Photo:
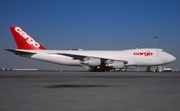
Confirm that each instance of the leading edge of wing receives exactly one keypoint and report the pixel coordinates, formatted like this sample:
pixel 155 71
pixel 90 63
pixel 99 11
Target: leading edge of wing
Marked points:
pixel 81 57
pixel 19 52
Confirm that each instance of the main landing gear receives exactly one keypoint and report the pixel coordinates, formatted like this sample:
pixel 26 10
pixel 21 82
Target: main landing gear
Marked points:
pixel 99 69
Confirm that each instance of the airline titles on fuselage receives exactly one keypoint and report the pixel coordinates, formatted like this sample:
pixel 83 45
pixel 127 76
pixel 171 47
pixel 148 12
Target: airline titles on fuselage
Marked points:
pixel 143 53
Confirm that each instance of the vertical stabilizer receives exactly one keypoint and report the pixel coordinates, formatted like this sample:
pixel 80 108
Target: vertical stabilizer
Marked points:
pixel 23 40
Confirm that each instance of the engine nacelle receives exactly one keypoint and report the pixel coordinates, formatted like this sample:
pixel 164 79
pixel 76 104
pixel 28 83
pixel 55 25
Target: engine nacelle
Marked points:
pixel 116 64
pixel 91 61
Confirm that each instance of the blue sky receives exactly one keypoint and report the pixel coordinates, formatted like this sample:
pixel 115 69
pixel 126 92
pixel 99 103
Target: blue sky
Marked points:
pixel 90 24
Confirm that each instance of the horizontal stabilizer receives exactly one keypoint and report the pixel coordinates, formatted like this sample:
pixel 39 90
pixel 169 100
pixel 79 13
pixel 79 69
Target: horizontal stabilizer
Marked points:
pixel 19 52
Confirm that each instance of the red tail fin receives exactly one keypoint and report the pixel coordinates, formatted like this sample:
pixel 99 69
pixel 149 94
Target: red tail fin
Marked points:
pixel 23 40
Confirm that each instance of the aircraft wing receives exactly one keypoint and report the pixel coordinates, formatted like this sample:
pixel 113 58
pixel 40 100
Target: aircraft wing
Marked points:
pixel 82 57
pixel 19 52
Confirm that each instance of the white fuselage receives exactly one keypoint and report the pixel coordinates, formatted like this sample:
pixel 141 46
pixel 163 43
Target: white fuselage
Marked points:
pixel 97 60
pixel 134 57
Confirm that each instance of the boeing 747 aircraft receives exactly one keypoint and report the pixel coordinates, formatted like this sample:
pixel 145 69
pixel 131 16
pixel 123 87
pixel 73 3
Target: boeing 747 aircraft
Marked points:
pixel 94 60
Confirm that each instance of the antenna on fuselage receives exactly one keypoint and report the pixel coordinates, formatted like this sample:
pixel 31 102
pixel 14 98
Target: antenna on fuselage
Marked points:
pixel 137 47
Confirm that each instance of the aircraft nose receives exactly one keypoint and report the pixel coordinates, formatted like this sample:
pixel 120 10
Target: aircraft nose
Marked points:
pixel 171 58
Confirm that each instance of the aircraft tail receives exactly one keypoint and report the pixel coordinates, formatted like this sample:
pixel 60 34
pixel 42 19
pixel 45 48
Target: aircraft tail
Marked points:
pixel 23 40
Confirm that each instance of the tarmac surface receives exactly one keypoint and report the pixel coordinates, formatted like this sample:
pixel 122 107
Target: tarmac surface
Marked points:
pixel 89 91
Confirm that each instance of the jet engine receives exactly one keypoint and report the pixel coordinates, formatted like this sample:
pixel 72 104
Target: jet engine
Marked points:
pixel 115 64
pixel 90 61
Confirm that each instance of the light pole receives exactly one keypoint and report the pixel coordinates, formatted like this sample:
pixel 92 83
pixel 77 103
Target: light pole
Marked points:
pixel 155 37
